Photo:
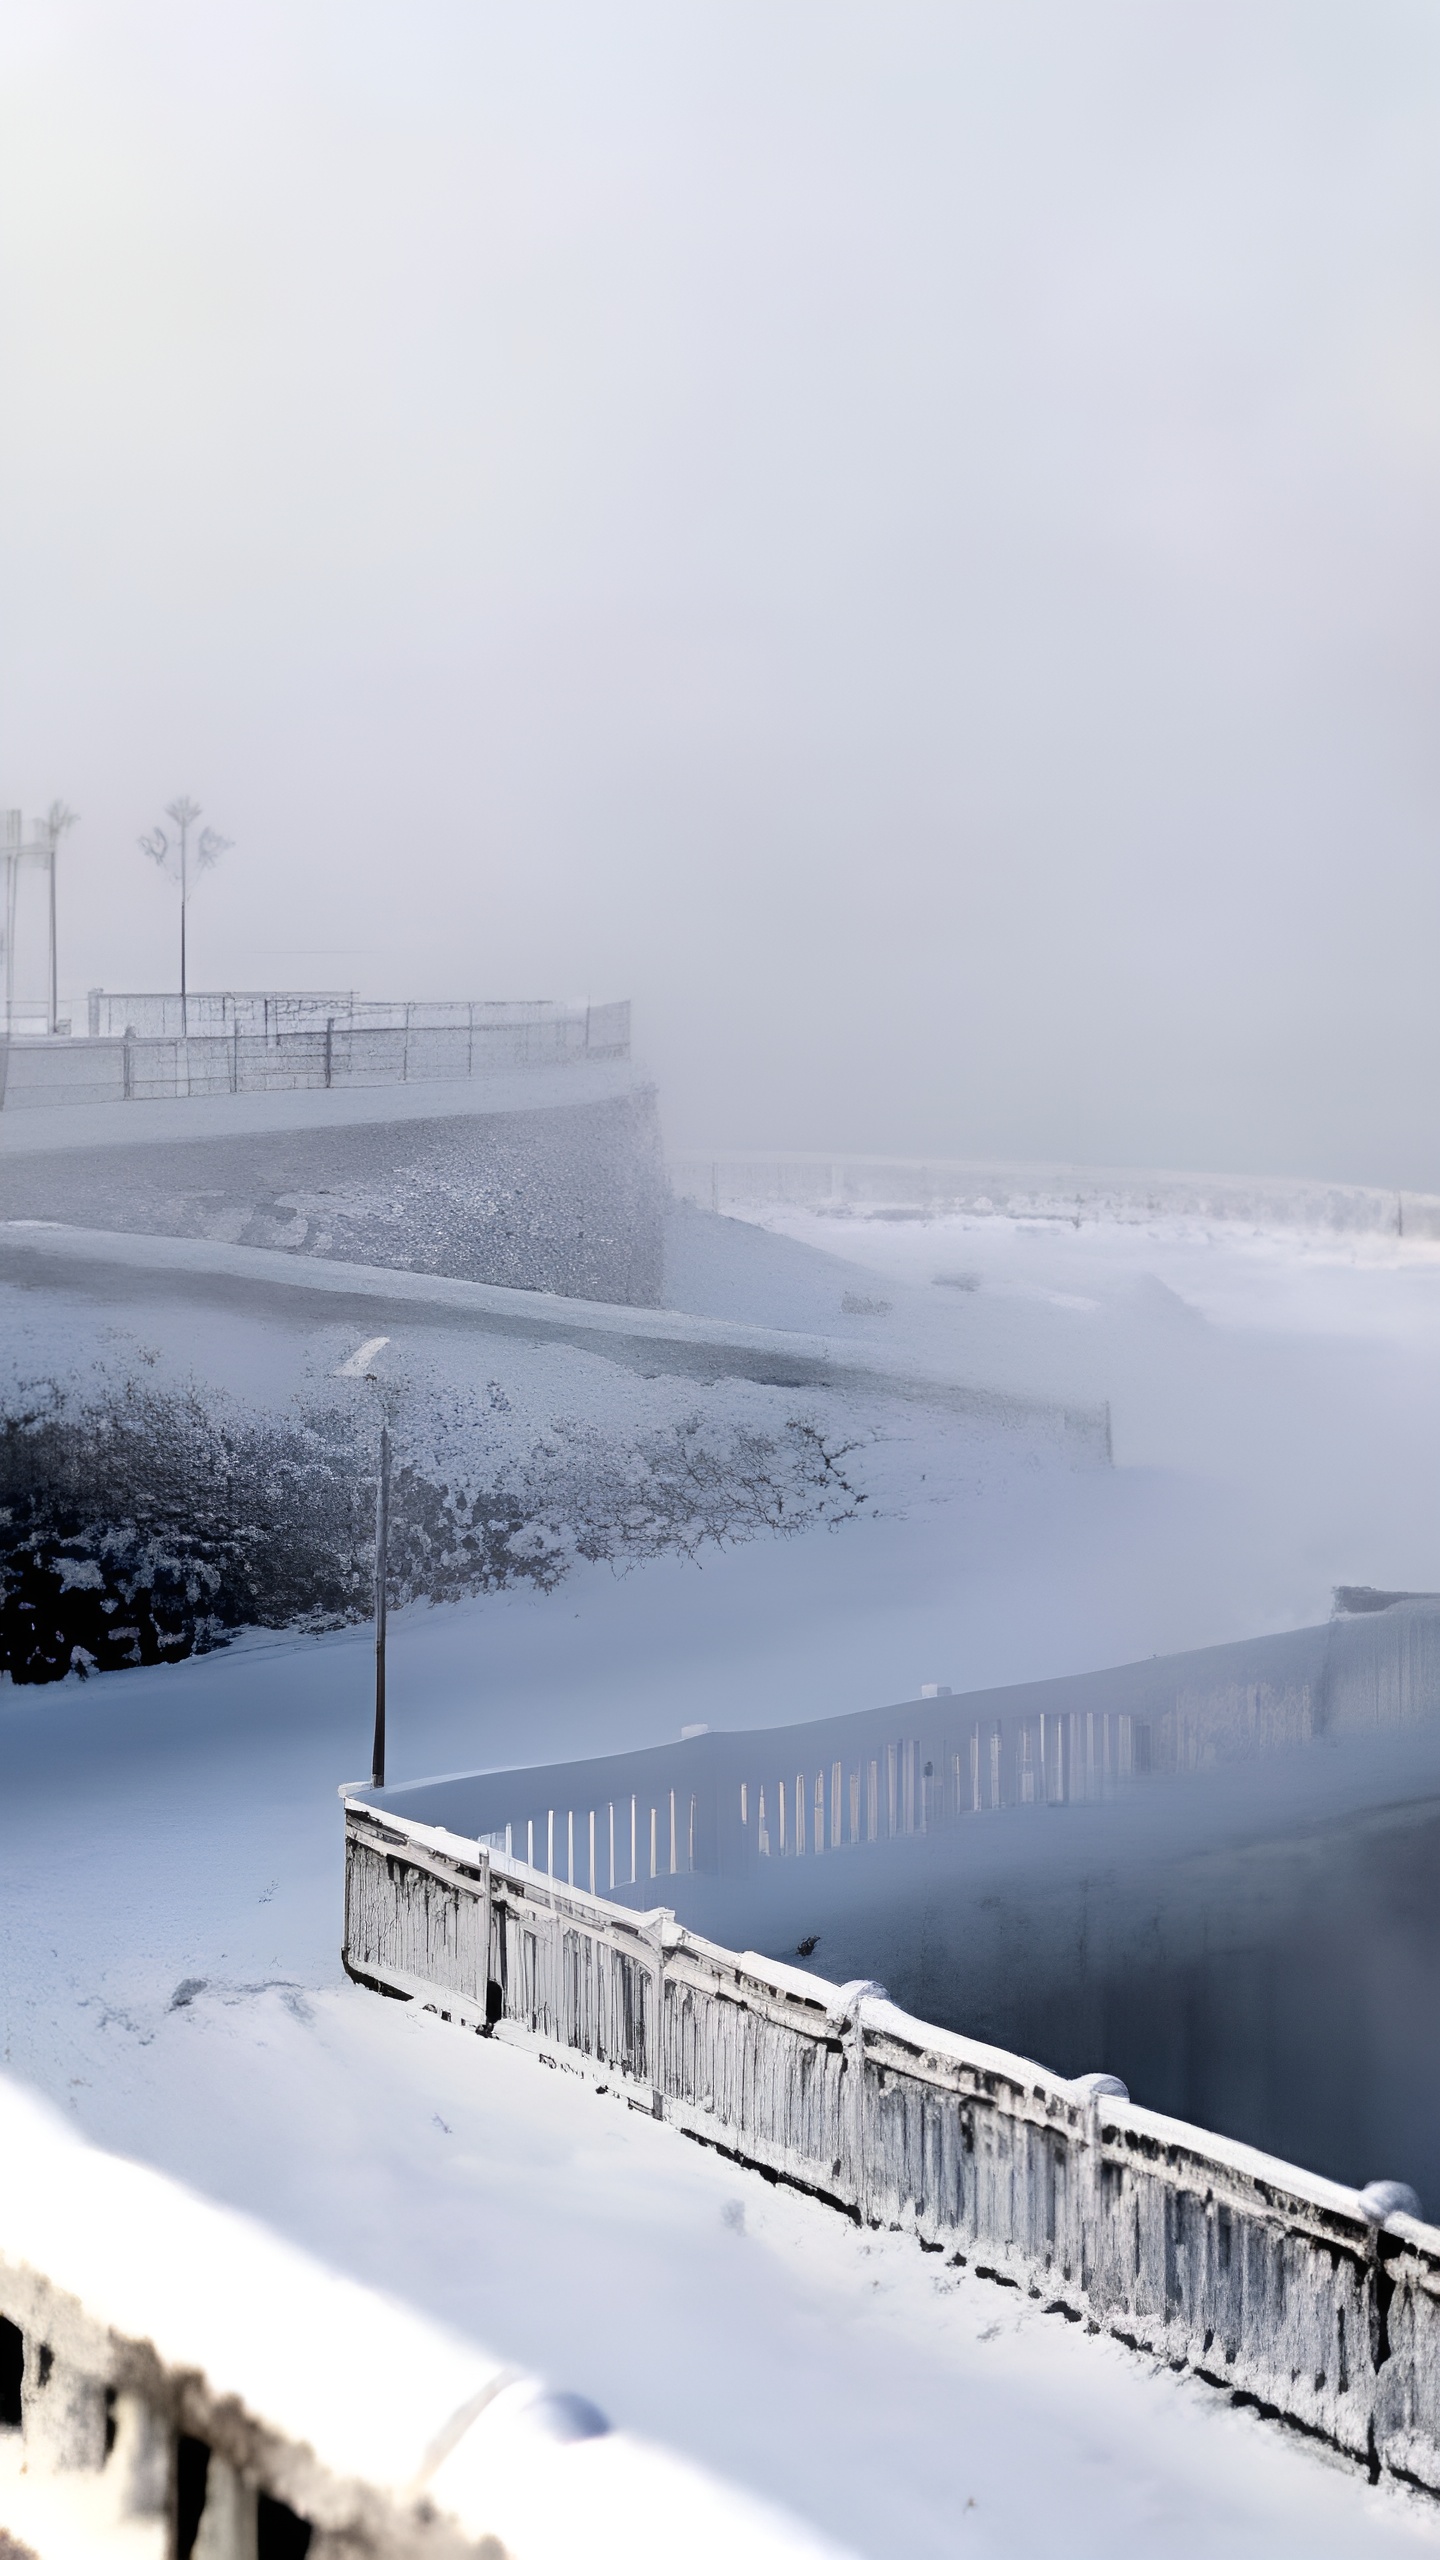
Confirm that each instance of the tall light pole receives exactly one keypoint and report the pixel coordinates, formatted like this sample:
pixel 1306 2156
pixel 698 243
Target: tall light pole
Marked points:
pixel 361 1365
pixel 52 827
pixel 382 1575
pixel 14 823
pixel 41 847
pixel 176 858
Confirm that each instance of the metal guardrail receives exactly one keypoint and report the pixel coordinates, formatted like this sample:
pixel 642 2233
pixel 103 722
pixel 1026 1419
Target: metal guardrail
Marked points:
pixel 267 1013
pixel 178 2384
pixel 472 1040
pixel 1313 2301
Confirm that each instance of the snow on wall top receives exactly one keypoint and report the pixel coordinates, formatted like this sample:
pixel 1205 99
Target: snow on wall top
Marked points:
pixel 35 1122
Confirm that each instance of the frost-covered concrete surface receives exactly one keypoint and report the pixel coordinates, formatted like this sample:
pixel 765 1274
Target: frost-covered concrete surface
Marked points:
pixel 558 1188
pixel 1276 1413
pixel 200 1117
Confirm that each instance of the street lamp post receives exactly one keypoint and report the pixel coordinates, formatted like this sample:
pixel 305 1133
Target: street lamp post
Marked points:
pixel 361 1365
pixel 13 825
pixel 176 859
pixel 52 827
pixel 41 847
pixel 382 1561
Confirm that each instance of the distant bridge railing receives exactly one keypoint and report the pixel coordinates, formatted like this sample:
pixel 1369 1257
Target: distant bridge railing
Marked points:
pixel 1317 2303
pixel 274 1044
pixel 1053 1194
pixel 266 1014
pixel 178 2384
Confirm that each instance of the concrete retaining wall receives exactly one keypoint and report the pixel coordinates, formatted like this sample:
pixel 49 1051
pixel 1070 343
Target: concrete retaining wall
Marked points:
pixel 566 1196
pixel 1314 2301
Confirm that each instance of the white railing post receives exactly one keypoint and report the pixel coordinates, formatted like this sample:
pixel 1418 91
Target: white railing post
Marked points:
pixel 653 1932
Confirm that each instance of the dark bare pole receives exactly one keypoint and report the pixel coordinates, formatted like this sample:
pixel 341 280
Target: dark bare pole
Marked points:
pixel 184 811
pixel 382 1549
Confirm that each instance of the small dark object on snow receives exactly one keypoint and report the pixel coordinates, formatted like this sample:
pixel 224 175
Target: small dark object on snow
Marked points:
pixel 1362 1600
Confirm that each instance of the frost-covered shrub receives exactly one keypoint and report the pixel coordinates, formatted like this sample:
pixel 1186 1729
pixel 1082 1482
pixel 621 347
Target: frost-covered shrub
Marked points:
pixel 151 1524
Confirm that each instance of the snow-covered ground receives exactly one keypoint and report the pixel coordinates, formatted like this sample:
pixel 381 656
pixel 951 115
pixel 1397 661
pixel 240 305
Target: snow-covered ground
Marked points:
pixel 170 1875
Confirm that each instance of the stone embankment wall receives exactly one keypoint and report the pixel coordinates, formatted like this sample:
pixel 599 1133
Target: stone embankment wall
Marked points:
pixel 1315 2302
pixel 567 1195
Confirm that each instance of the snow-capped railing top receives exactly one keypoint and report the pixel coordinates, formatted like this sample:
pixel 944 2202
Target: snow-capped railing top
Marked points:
pixel 1317 2301
pixel 174 2378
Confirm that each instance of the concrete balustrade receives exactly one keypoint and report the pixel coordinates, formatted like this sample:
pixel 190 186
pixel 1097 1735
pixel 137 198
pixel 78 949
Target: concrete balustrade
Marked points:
pixel 178 2384
pixel 1318 2303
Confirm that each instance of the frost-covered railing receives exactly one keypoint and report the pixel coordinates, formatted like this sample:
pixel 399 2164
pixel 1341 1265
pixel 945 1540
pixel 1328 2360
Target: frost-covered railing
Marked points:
pixel 1072 1194
pixel 177 2384
pixel 1317 2303
pixel 269 1014
pixel 289 1046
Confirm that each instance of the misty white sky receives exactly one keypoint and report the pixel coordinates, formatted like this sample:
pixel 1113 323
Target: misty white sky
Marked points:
pixel 904 537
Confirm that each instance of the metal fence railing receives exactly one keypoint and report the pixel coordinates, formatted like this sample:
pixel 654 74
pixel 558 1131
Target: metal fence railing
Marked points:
pixel 265 1014
pixel 286 1054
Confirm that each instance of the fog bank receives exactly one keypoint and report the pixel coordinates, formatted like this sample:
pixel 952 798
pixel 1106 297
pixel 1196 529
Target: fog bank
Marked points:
pixel 904 539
